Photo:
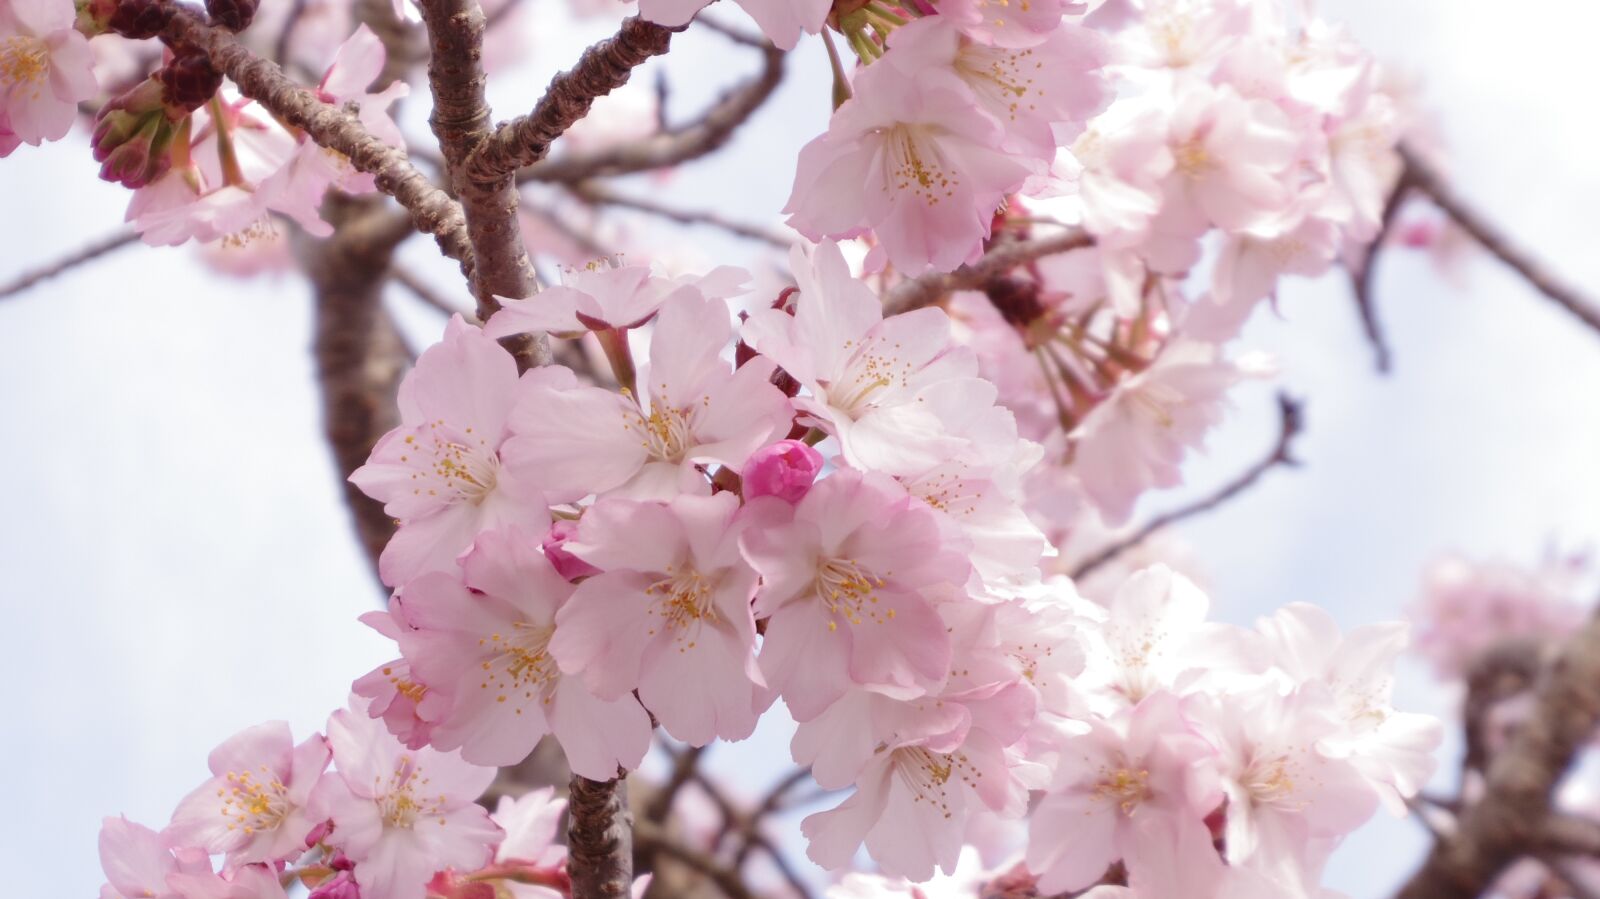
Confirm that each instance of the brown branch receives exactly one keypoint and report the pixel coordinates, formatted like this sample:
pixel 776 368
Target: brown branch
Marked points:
pixel 931 288
pixel 1428 181
pixel 595 194
pixel 651 837
pixel 431 209
pixel 1289 426
pixel 668 148
pixel 102 247
pixel 600 836
pixel 602 69
pixel 280 48
pixel 1362 274
pixel 1509 821
pixel 461 121
pixel 683 771
pixel 360 356
pixel 422 290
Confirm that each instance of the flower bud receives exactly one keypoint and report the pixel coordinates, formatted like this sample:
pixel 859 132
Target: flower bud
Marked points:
pixel 785 469
pixel 189 79
pixel 566 564
pixel 340 886
pixel 234 15
pixel 132 136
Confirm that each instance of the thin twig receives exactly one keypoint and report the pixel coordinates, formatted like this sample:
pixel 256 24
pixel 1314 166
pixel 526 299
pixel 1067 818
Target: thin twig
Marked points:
pixel 931 288
pixel 422 290
pixel 683 771
pixel 280 49
pixel 650 836
pixel 593 193
pixel 737 35
pixel 669 148
pixel 1428 181
pixel 1289 426
pixel 1362 274
pixel 102 247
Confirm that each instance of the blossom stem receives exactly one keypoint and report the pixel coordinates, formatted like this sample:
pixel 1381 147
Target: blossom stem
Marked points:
pixel 226 157
pixel 614 342
pixel 841 81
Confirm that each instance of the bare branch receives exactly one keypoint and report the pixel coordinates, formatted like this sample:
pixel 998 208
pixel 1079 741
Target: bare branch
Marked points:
pixel 1509 821
pixel 461 121
pixel 679 145
pixel 102 247
pixel 651 837
pixel 1289 426
pixel 1428 181
pixel 600 832
pixel 931 288
pixel 592 192
pixel 1362 275
pixel 422 290
pixel 431 209
pixel 602 69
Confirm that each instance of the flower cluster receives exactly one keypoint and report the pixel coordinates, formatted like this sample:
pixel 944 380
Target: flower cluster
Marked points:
pixel 387 822
pixel 1467 607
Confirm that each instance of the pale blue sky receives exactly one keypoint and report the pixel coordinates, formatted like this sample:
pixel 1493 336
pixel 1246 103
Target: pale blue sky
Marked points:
pixel 177 564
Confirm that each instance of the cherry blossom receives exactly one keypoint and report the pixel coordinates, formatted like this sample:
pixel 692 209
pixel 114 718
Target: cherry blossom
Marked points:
pixel 139 865
pixel 254 806
pixel 785 469
pixel 907 159
pixel 440 473
pixel 46 70
pixel 484 639
pixel 849 578
pixel 782 21
pixel 401 814
pixel 672 607
pixel 695 411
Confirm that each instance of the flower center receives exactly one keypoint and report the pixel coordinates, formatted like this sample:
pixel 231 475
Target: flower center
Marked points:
pixel 1269 781
pixel 664 433
pixel 1127 787
pixel 1004 78
pixel 462 468
pixel 1192 159
pixel 24 61
pixel 683 602
pixel 868 372
pixel 926 774
pixel 398 804
pixel 850 592
pixel 523 662
pixel 253 804
pixel 915 164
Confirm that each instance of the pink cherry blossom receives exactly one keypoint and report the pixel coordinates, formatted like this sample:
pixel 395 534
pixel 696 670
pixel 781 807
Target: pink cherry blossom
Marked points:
pixel 1468 606
pixel 782 21
pixel 139 865
pixel 1001 23
pixel 914 791
pixel 554 545
pixel 408 707
pixel 848 578
pixel 399 814
pixel 1145 762
pixel 1041 94
pixel 485 640
pixel 254 806
pixel 530 822
pixel 672 608
pixel 247 882
pixel 907 159
pixel 865 376
pixel 785 469
pixel 46 69
pixel 1135 439
pixel 604 297
pixel 1119 165
pixel 1393 750
pixel 696 410
pixel 440 473
pixel 1230 163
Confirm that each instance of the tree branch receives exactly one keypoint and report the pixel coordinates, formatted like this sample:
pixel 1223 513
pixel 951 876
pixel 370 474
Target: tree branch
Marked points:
pixel 1428 181
pixel 597 195
pixel 1362 275
pixel 602 69
pixel 1289 426
pixel 669 148
pixel 422 290
pixel 931 288
pixel 431 209
pixel 599 838
pixel 726 879
pixel 1508 822
pixel 102 247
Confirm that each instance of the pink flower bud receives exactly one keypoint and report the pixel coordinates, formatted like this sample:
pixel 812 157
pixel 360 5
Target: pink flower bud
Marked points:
pixel 566 564
pixel 340 886
pixel 785 469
